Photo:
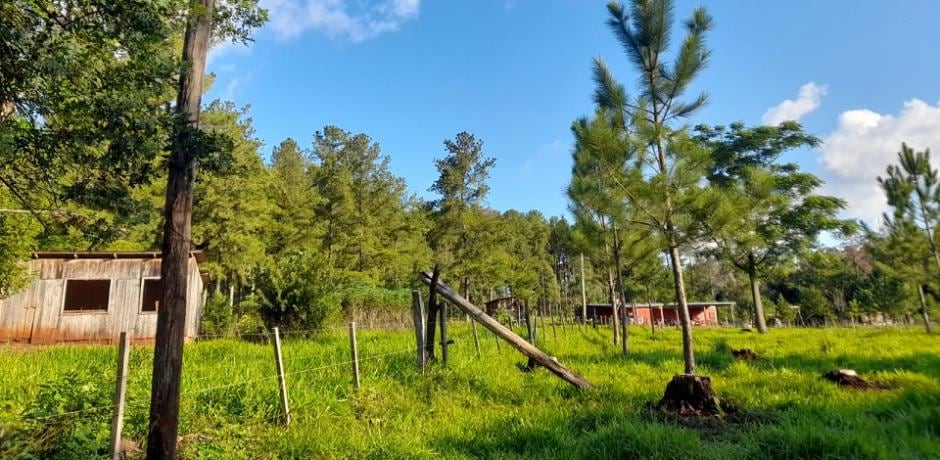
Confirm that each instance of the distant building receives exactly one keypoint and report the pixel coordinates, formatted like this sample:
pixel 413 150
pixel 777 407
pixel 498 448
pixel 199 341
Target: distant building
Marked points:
pixel 701 313
pixel 512 306
pixel 94 296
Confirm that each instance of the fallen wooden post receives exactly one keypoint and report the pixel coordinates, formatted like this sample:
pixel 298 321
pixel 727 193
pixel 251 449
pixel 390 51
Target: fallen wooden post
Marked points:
pixel 509 336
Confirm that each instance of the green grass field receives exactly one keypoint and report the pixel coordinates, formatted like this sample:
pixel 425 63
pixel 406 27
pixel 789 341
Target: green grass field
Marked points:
pixel 487 407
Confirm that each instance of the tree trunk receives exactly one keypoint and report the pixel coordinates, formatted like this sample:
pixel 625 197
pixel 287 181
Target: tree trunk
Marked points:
pixel 923 309
pixel 177 231
pixel 625 330
pixel 530 329
pixel 583 293
pixel 755 294
pixel 614 305
pixel 688 354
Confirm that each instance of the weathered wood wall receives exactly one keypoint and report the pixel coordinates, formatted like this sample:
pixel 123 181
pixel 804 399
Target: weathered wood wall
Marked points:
pixel 35 315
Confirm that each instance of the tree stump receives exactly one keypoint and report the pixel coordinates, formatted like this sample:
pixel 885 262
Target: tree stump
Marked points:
pixel 846 378
pixel 532 364
pixel 690 395
pixel 744 354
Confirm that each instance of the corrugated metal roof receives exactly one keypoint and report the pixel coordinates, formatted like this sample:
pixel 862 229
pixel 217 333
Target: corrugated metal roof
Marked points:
pixel 200 256
pixel 667 305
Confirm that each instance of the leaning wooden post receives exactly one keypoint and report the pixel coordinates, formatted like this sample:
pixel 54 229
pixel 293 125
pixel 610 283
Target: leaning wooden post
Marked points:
pixel 120 392
pixel 355 353
pixel 282 384
pixel 417 306
pixel 538 356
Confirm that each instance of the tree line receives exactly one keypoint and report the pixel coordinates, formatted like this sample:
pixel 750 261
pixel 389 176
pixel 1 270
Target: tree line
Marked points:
pixel 659 210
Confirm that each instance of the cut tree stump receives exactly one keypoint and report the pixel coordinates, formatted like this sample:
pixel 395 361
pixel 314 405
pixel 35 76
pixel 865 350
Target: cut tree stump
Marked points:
pixel 846 378
pixel 532 364
pixel 691 396
pixel 744 354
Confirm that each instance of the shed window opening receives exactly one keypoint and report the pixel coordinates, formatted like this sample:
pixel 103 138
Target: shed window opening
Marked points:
pixel 153 291
pixel 87 295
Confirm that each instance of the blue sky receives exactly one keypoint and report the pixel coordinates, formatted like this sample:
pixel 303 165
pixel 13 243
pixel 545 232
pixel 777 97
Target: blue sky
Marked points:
pixel 862 75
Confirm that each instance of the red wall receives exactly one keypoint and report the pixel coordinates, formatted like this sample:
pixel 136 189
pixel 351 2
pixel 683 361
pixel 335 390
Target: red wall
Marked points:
pixel 699 315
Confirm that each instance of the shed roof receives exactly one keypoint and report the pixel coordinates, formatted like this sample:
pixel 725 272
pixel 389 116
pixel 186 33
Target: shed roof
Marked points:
pixel 200 256
pixel 667 305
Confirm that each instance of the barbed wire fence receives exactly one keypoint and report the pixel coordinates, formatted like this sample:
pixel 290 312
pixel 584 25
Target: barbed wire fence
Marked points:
pixel 249 370
pixel 230 373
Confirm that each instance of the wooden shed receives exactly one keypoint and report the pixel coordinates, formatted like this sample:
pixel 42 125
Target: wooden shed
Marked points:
pixel 94 296
pixel 512 306
pixel 701 313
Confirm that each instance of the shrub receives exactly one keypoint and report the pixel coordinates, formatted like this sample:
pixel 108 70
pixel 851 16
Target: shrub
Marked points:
pixel 298 291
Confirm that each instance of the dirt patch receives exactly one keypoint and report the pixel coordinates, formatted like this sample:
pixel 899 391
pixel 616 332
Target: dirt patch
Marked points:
pixel 745 354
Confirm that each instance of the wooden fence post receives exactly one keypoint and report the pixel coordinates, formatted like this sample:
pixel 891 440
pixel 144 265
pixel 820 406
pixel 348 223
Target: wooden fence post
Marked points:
pixel 551 314
pixel 120 392
pixel 282 384
pixel 417 306
pixel 476 337
pixel 624 330
pixel 444 339
pixel 355 353
pixel 529 325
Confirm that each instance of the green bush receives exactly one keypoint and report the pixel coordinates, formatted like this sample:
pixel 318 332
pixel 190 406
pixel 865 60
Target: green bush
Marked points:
pixel 298 291
pixel 68 419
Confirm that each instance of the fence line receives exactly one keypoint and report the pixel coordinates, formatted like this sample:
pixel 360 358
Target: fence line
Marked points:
pixel 130 402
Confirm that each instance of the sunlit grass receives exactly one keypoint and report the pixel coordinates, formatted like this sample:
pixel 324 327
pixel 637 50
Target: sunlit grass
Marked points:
pixel 489 408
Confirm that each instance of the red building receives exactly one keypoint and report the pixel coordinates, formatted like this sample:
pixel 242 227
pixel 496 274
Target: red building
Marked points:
pixel 701 313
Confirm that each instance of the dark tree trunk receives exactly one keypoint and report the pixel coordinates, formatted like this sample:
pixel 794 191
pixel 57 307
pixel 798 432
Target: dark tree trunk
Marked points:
pixel 174 267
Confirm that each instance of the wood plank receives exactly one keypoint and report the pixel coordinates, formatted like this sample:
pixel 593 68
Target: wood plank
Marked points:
pixel 509 336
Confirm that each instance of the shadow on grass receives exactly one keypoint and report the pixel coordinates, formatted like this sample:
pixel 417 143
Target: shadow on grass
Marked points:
pixel 607 426
pixel 923 363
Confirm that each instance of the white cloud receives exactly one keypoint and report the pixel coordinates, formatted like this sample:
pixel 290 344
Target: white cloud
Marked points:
pixel 809 99
pixel 352 21
pixel 865 143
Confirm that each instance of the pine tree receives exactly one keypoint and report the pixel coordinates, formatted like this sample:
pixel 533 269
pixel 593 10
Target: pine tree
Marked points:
pixel 665 168
pixel 295 225
pixel 913 190
pixel 777 214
